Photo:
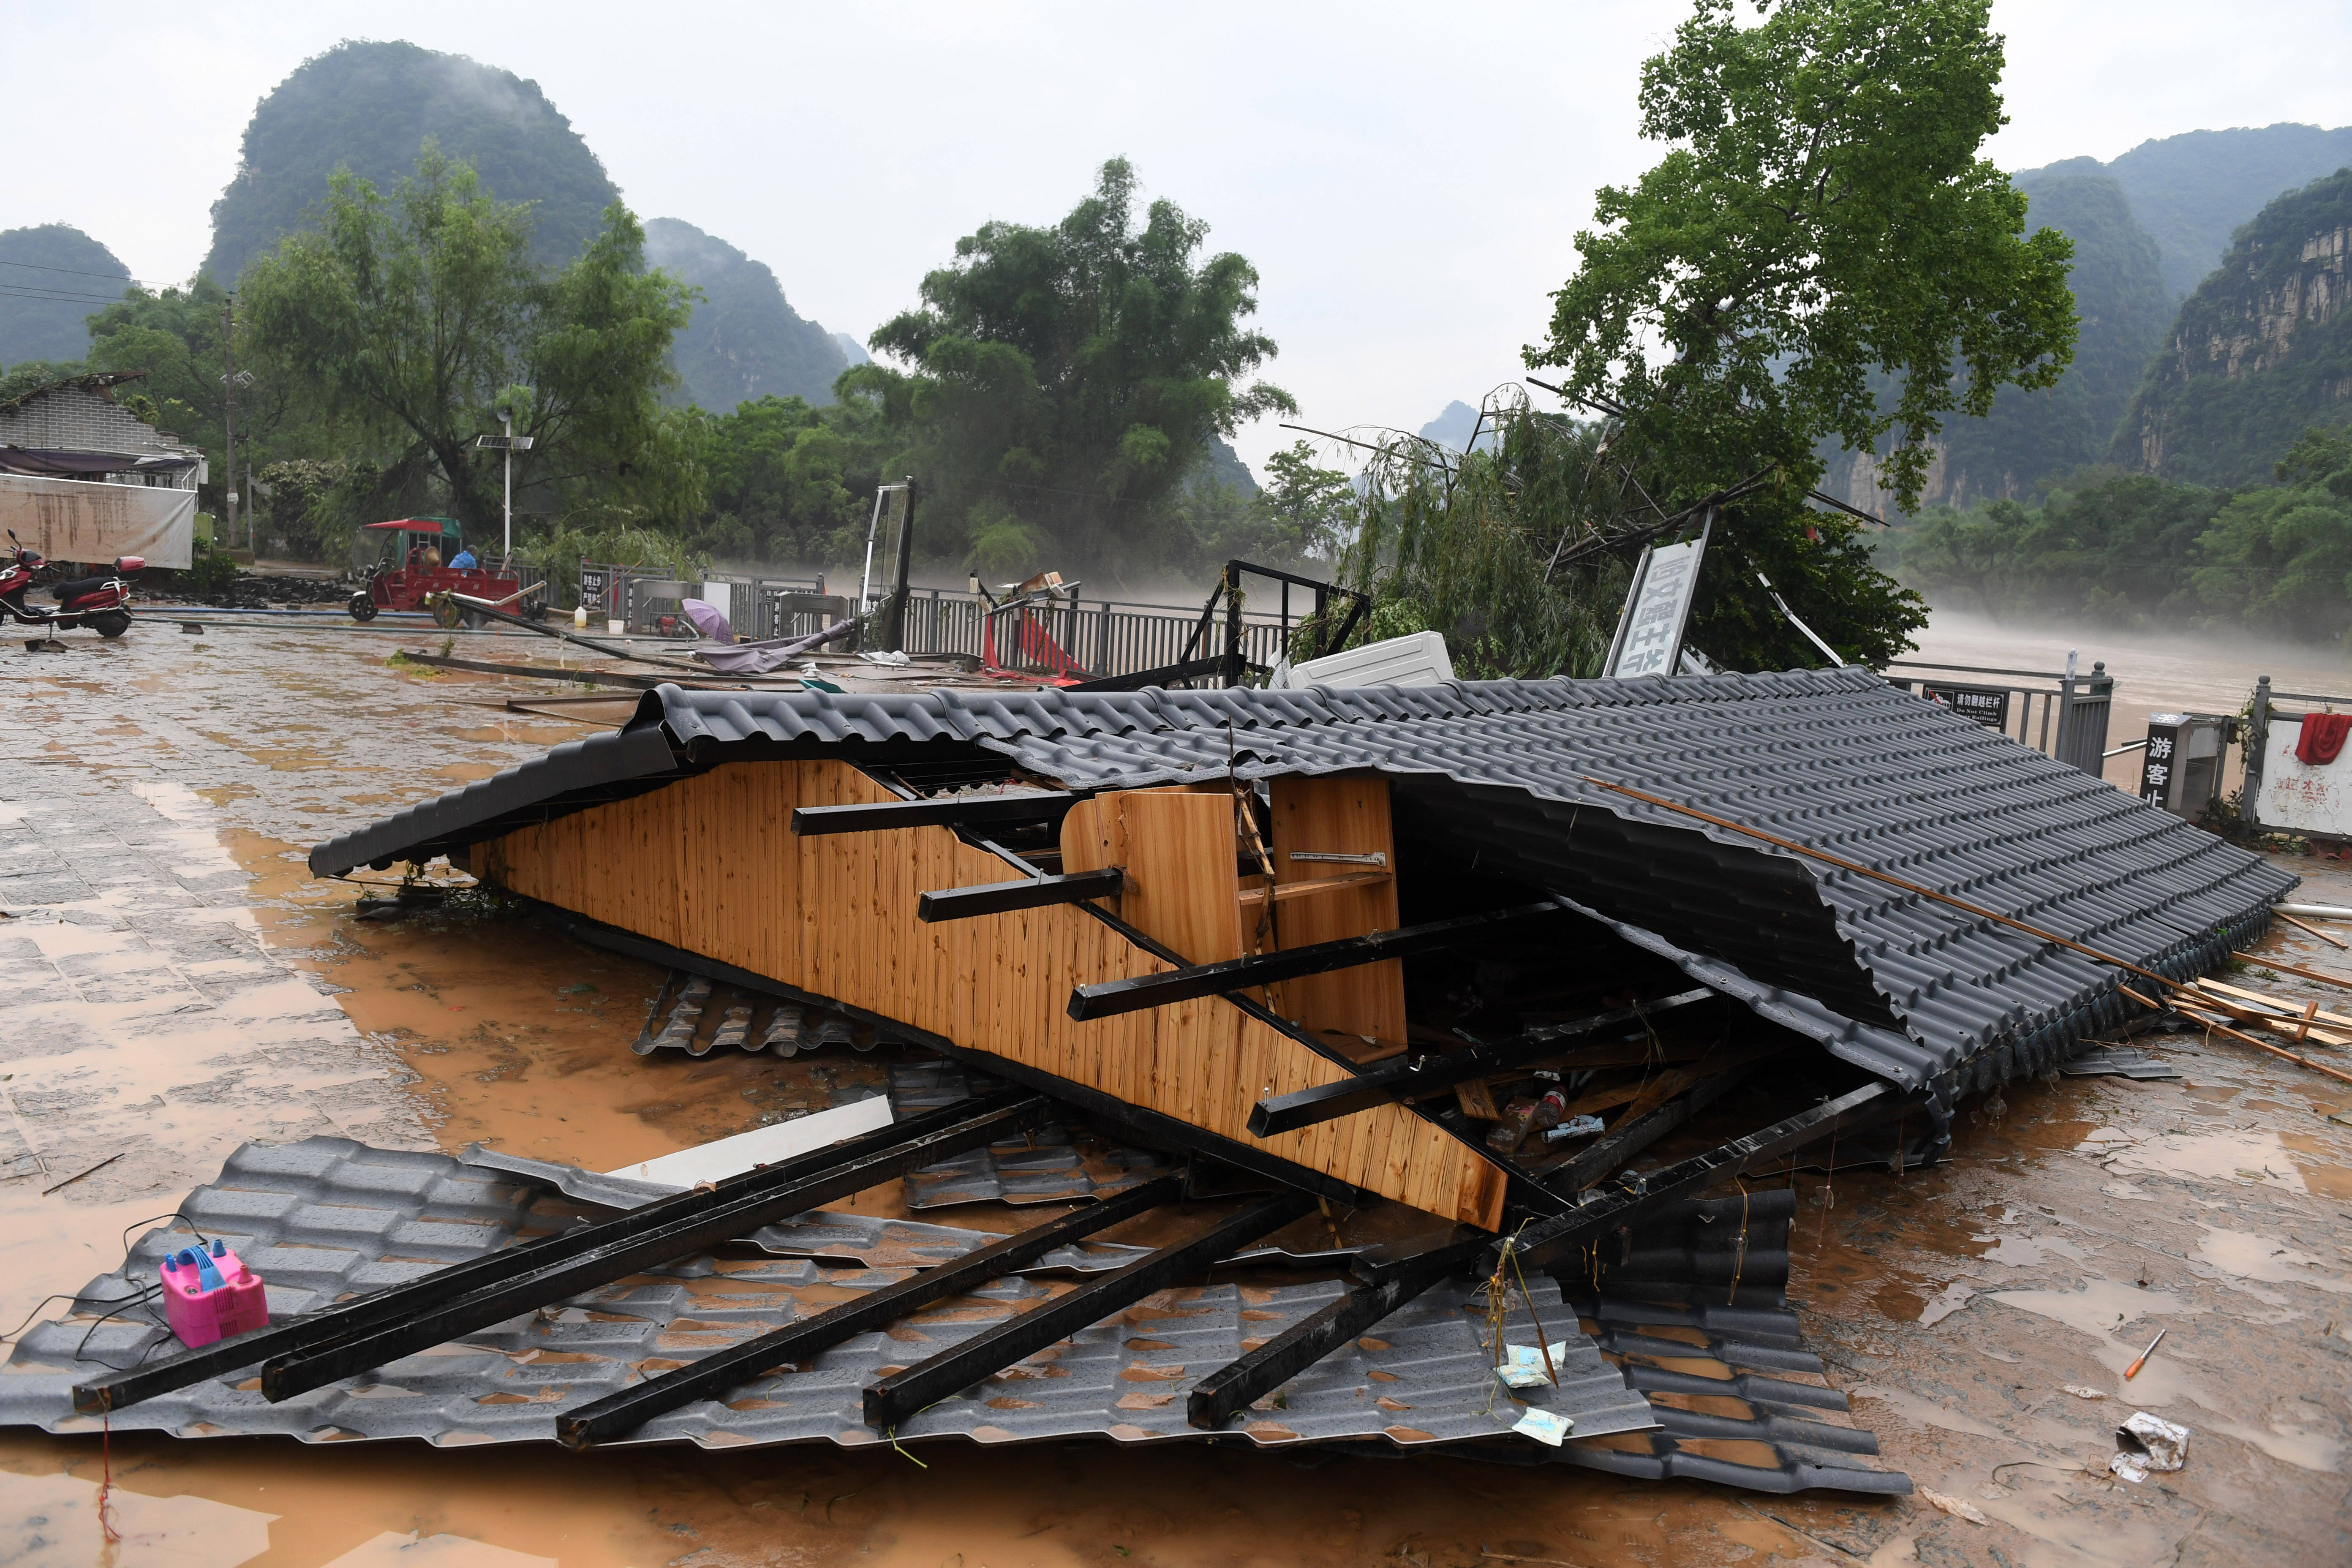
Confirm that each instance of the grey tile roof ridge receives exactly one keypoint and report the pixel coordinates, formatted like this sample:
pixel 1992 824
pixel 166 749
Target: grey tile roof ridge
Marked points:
pixel 1840 762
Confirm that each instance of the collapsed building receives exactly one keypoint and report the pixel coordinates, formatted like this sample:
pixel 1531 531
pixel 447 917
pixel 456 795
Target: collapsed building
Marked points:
pixel 1294 950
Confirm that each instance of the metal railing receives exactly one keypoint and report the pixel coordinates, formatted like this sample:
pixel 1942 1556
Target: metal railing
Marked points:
pixel 2072 722
pixel 1101 638
pixel 1087 638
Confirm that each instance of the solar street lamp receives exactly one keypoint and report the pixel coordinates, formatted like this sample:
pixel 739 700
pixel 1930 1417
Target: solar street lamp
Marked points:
pixel 510 444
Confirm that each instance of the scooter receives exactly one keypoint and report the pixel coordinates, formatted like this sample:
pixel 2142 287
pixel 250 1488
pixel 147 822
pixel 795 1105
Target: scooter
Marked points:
pixel 102 604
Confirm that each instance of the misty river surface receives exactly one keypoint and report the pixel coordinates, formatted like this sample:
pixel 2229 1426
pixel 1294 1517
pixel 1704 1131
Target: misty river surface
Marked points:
pixel 2154 673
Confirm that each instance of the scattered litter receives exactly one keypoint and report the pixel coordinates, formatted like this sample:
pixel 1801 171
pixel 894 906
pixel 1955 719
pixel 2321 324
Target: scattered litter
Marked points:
pixel 77 1175
pixel 1544 1425
pixel 892 658
pixel 1574 1127
pixel 192 628
pixel 1954 1506
pixel 2133 1370
pixel 1525 1366
pixel 2145 1443
pixel 2079 1392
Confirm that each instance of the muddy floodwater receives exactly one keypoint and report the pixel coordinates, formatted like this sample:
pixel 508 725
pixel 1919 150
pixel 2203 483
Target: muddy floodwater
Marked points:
pixel 2154 673
pixel 173 983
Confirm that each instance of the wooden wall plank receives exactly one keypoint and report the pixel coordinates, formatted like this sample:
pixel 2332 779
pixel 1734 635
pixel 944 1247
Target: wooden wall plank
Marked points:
pixel 1348 815
pixel 1182 887
pixel 709 864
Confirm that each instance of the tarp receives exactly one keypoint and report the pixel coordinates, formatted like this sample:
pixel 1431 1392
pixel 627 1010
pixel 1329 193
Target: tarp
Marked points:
pixel 78 519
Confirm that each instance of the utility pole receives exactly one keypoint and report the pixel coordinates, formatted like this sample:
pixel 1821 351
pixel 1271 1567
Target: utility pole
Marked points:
pixel 228 423
pixel 895 633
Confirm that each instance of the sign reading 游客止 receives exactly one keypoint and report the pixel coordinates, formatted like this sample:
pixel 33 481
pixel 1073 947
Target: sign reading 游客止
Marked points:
pixel 1648 638
pixel 593 583
pixel 2159 761
pixel 1985 705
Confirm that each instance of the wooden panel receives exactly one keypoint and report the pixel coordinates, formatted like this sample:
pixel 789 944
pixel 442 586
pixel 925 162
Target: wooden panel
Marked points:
pixel 1182 885
pixel 1341 815
pixel 709 864
pixel 1090 835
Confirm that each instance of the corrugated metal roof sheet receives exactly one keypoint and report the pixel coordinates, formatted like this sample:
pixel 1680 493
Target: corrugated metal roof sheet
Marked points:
pixel 1496 773
pixel 326 1218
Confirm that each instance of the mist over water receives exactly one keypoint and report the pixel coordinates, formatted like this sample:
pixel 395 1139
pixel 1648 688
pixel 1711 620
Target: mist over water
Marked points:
pixel 2155 673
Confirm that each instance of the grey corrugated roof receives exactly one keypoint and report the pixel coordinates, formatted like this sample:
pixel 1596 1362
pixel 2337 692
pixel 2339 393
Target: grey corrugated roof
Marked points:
pixel 1494 771
pixel 328 1218
pixel 1716 1271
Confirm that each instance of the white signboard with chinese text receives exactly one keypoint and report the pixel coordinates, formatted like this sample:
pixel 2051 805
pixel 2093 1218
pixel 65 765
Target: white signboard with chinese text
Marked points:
pixel 2297 797
pixel 1650 632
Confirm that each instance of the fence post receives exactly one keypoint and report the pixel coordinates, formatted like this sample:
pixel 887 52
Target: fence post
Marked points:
pixel 1233 666
pixel 2257 749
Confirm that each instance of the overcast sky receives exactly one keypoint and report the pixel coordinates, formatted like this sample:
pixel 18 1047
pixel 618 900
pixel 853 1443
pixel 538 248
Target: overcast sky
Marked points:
pixel 1407 180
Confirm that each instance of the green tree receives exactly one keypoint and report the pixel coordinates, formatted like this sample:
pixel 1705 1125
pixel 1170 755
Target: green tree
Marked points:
pixel 1071 377
pixel 1312 510
pixel 1971 551
pixel 1822 214
pixel 27 374
pixel 410 319
pixel 780 483
pixel 2279 561
pixel 1467 544
pixel 175 335
pixel 1303 515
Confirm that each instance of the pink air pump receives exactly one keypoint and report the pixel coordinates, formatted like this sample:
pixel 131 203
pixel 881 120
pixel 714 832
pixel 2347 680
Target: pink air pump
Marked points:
pixel 208 1295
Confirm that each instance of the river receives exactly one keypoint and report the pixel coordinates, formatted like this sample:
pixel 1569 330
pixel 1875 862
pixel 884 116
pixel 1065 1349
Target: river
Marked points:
pixel 2154 673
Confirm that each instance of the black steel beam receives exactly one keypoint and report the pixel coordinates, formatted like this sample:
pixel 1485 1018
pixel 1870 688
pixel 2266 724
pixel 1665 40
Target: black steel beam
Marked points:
pixel 121 1390
pixel 1190 669
pixel 1620 1144
pixel 1546 1242
pixel 1438 1071
pixel 896 1397
pixel 1138 1124
pixel 998 898
pixel 1112 997
pixel 951 811
pixel 619 1414
pixel 284 1376
pixel 1236 1386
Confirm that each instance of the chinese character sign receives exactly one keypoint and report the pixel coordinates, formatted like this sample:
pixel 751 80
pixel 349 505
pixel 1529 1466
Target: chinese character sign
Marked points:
pixel 1650 634
pixel 2157 763
pixel 1985 705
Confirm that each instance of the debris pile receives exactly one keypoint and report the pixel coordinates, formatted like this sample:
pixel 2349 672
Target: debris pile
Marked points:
pixel 1527 968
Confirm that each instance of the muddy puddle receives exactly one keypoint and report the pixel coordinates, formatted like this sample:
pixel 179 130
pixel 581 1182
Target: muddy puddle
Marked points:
pixel 176 983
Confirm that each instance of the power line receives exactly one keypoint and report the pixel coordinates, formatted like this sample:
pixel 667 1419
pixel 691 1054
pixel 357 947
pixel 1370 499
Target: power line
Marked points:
pixel 41 294
pixel 81 272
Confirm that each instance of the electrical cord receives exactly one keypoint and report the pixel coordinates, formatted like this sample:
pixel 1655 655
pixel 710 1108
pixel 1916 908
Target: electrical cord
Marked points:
pixel 79 1298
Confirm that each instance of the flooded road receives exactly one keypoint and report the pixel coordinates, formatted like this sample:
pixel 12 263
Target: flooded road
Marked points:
pixel 175 983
